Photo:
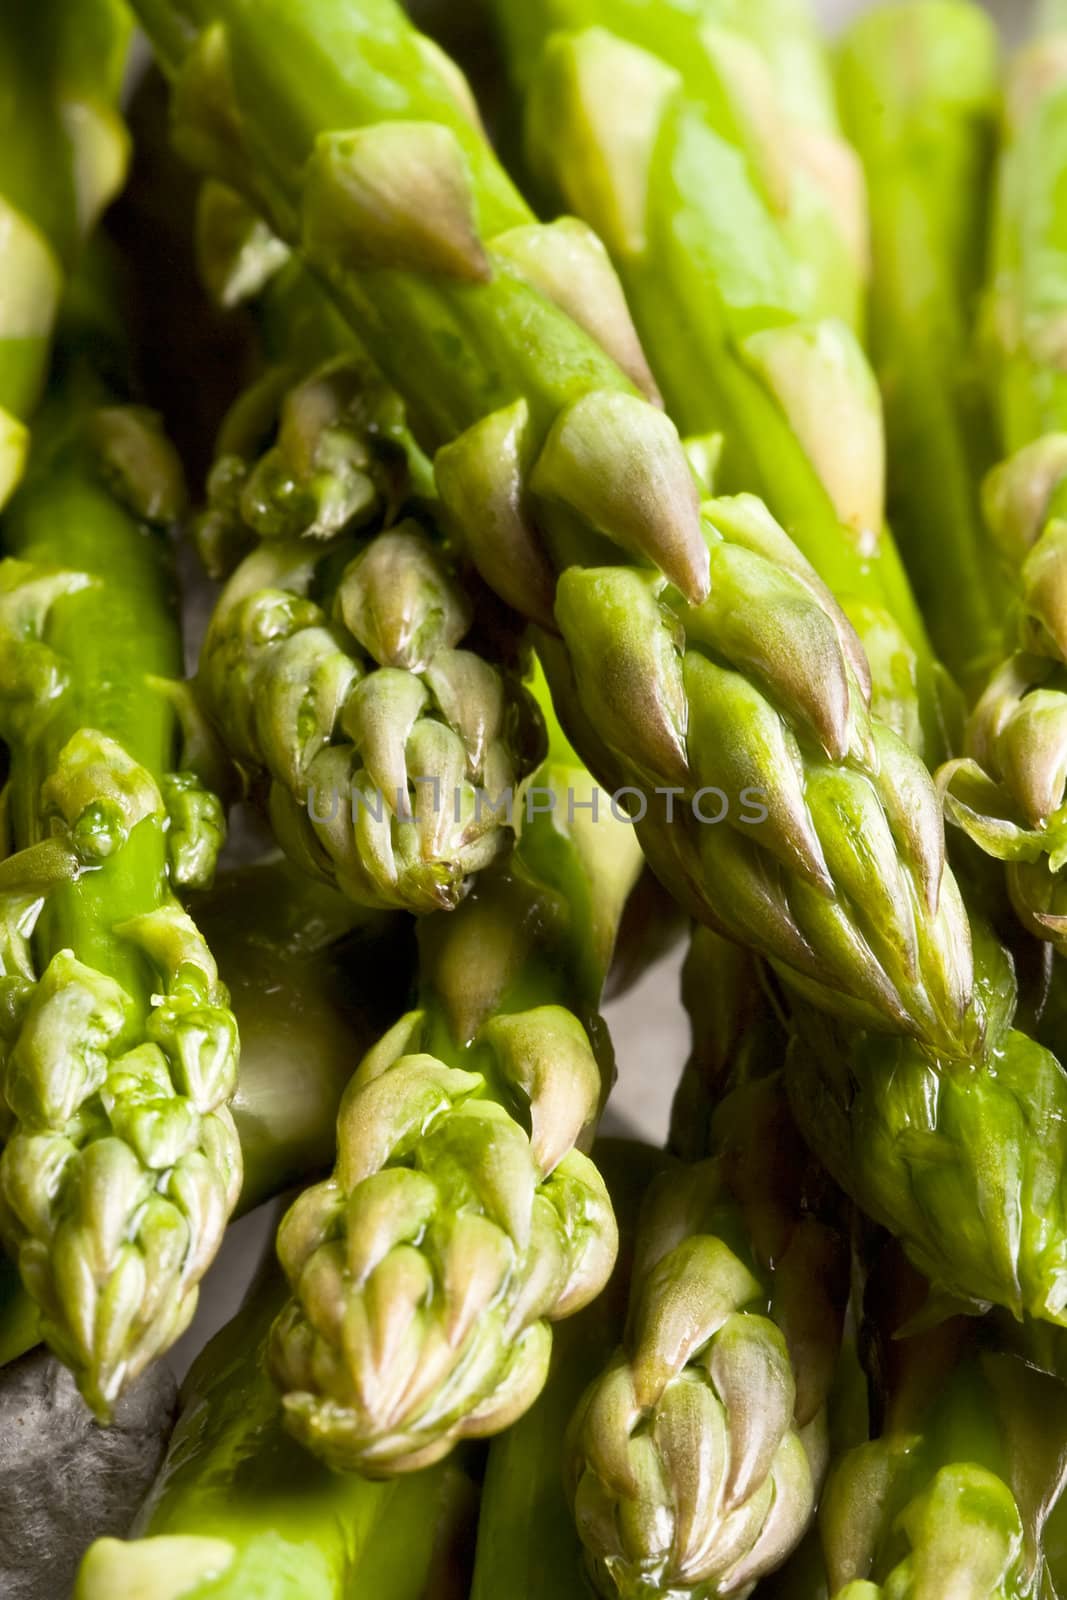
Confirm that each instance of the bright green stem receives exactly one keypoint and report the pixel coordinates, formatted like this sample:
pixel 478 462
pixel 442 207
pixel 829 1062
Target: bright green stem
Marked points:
pixel 752 67
pixel 919 89
pixel 717 277
pixel 788 36
pixel 240 1509
pixel 62 156
pixel 113 634
pixel 690 38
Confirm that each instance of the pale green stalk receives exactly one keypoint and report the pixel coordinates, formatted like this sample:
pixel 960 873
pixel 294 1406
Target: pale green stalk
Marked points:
pixel 528 1546
pixel 63 151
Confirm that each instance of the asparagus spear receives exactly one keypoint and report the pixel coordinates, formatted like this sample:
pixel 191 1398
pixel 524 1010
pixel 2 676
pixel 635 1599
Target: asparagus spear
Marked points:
pixel 387 749
pixel 119 1049
pixel 310 982
pixel 694 1456
pixel 462 1217
pixel 387 745
pixel 990 1264
pixel 760 73
pixel 540 423
pixel 721 295
pixel 825 218
pixel 62 158
pixel 238 1509
pixel 952 1496
pixel 915 1147
pixel 919 90
pixel 966 1168
pixel 1008 792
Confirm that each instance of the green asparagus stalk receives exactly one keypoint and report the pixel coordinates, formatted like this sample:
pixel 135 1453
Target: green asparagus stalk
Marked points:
pixel 62 158
pixel 760 74
pixel 528 1546
pixel 353 137
pixel 239 1510
pixel 919 89
pixel 694 1457
pixel 337 666
pixel 825 218
pixel 462 1217
pixel 1007 793
pixel 721 295
pixel 952 1496
pixel 386 749
pixel 965 1167
pixel 310 981
pixel 119 1049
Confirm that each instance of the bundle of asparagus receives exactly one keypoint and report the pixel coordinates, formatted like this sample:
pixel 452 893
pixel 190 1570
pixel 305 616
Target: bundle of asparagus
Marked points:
pixel 549 461
pixel 547 550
